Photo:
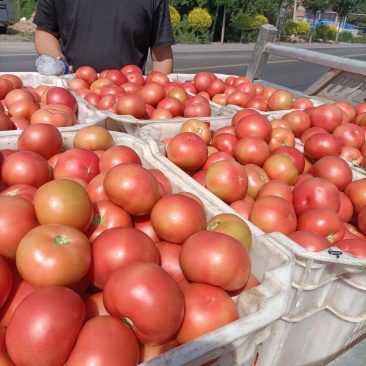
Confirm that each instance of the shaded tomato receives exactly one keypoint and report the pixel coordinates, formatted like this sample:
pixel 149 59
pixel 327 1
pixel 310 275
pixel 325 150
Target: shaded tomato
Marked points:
pixel 43 318
pixel 94 305
pixel 6 282
pixel 21 190
pixel 117 246
pixel 310 240
pixel 105 340
pixel 356 192
pixel 138 288
pixel 60 253
pixel 224 142
pixel 276 187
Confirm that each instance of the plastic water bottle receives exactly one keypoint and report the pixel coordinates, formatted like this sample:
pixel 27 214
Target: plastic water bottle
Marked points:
pixel 47 65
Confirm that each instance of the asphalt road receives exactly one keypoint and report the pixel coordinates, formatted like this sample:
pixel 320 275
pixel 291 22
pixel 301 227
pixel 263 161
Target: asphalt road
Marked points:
pixel 231 59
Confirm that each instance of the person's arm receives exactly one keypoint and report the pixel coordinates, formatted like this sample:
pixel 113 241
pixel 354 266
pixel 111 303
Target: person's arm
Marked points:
pixel 46 43
pixel 162 59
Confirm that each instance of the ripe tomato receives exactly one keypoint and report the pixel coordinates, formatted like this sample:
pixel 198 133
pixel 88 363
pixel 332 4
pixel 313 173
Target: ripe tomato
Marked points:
pixel 227 180
pixel 350 134
pixel 93 138
pixel 65 202
pixel 23 108
pixel 152 93
pixel 6 282
pixel 281 166
pixel 356 192
pixel 257 176
pixel 294 154
pixel 117 246
pixel 207 308
pixel 5 122
pixel 323 221
pixel 26 167
pixel 105 340
pixel 224 142
pixel 94 305
pixel 21 190
pixel 60 253
pixel 254 125
pixel 138 288
pixel 143 223
pixel 61 95
pixel 175 217
pixel 354 246
pixel 280 100
pixel 281 136
pixel 319 145
pixel 299 122
pixel 55 117
pixel 77 162
pixel 86 73
pixel 215 258
pixel 116 155
pixel 5 87
pixel 309 240
pixel 276 187
pixel 16 95
pixel 132 187
pixel 272 213
pixel 198 127
pixel 187 150
pixel 216 156
pixel 242 113
pixel 43 318
pixel 327 116
pixel 130 104
pixel 37 138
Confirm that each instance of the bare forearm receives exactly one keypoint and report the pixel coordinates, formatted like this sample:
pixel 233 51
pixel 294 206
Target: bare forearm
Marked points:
pixel 47 44
pixel 162 59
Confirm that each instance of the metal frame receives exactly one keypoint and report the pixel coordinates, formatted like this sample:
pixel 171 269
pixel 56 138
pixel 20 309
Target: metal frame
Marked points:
pixel 346 79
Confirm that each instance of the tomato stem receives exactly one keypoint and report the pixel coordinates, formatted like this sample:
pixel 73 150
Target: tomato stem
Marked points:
pixel 61 240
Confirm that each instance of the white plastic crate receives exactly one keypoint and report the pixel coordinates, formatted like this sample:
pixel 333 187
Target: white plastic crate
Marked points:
pixel 236 343
pixel 326 289
pixel 85 115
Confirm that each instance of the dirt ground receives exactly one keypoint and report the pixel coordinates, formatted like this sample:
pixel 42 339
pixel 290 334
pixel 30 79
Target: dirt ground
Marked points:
pixel 20 32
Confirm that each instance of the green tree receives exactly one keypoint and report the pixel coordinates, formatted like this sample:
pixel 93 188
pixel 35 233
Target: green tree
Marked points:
pixel 243 23
pixel 313 6
pixel 303 28
pixel 174 17
pixel 28 7
pixel 358 16
pixel 199 20
pixel 343 8
pixel 291 28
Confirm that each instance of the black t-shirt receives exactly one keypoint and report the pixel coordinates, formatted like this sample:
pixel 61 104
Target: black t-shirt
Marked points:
pixel 106 34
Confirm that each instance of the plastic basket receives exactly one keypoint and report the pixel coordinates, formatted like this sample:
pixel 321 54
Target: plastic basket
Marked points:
pixel 327 309
pixel 236 343
pixel 35 79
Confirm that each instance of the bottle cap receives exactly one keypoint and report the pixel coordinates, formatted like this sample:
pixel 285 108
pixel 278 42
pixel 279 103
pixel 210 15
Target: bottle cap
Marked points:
pixel 66 66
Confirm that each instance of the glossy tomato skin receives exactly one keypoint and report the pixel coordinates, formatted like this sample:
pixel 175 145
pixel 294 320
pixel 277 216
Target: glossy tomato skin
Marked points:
pixel 6 281
pixel 117 246
pixel 215 258
pixel 132 187
pixel 105 340
pixel 136 289
pixel 272 213
pixel 63 201
pixel 356 192
pixel 281 166
pixel 354 246
pixel 320 144
pixel 26 167
pixel 309 240
pixel 207 308
pixel 93 138
pixel 323 221
pixel 60 253
pixel 21 190
pixel 175 217
pixel 41 320
pixel 15 212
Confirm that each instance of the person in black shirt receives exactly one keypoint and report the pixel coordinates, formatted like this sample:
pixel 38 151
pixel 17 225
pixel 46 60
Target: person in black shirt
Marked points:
pixel 106 34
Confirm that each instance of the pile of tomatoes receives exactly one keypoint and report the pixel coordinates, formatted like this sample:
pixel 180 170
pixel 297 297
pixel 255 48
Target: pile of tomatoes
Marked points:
pixel 291 175
pixel 101 260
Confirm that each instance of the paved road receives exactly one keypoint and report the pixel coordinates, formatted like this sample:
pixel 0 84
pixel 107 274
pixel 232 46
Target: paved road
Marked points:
pixel 231 59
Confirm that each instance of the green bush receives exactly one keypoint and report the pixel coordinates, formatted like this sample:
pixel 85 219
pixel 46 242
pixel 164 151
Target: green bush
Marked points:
pixel 258 21
pixel 345 37
pixel 303 28
pixel 174 17
pixel 290 28
pixel 199 19
pixel 332 32
pixel 322 31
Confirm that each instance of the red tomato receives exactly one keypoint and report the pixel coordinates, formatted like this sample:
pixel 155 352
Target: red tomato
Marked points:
pixel 116 76
pixel 244 206
pixel 356 247
pixel 60 253
pixel 93 138
pixel 61 107
pixel 207 308
pixel 143 223
pixel 94 305
pixel 351 155
pixel 225 142
pixel 97 85
pixel 23 108
pixel 319 145
pixel 256 178
pixel 295 154
pixel 216 86
pixel 178 93
pixel 116 155
pixel 65 202
pixel 202 80
pixel 130 104
pixel 43 318
pixel 323 221
pixel 352 232
pixel 172 105
pixel 220 99
pixel 350 134
pixel 346 208
pixel 61 95
pixel 37 138
pixel 198 127
pixel 197 106
pixel 26 167
pixel 132 187
pixel 86 73
pixel 105 340
pixel 136 289
pixel 242 113
pixel 272 213
pixel 311 131
pixel 77 162
pixel 309 240
pixel 228 180
pixel 16 95
pixel 163 179
pixel 315 192
pixel 327 116
pixel 302 103
pixel 215 258
pixel 117 246
pixel 361 220
pixel 5 87
pixel 356 192
pixel 106 215
pixel 334 169
pixel 175 217
pixel 21 190
pixel 50 116
pixel 216 156
pixel 161 113
pixel 299 122
pixel 130 68
pixel 187 150
pixel 254 125
pixel 5 122
pixel 152 93
pixel 6 282
pixel 281 136
pixel 276 187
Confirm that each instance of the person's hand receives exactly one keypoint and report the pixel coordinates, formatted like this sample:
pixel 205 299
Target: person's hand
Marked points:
pixel 58 55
